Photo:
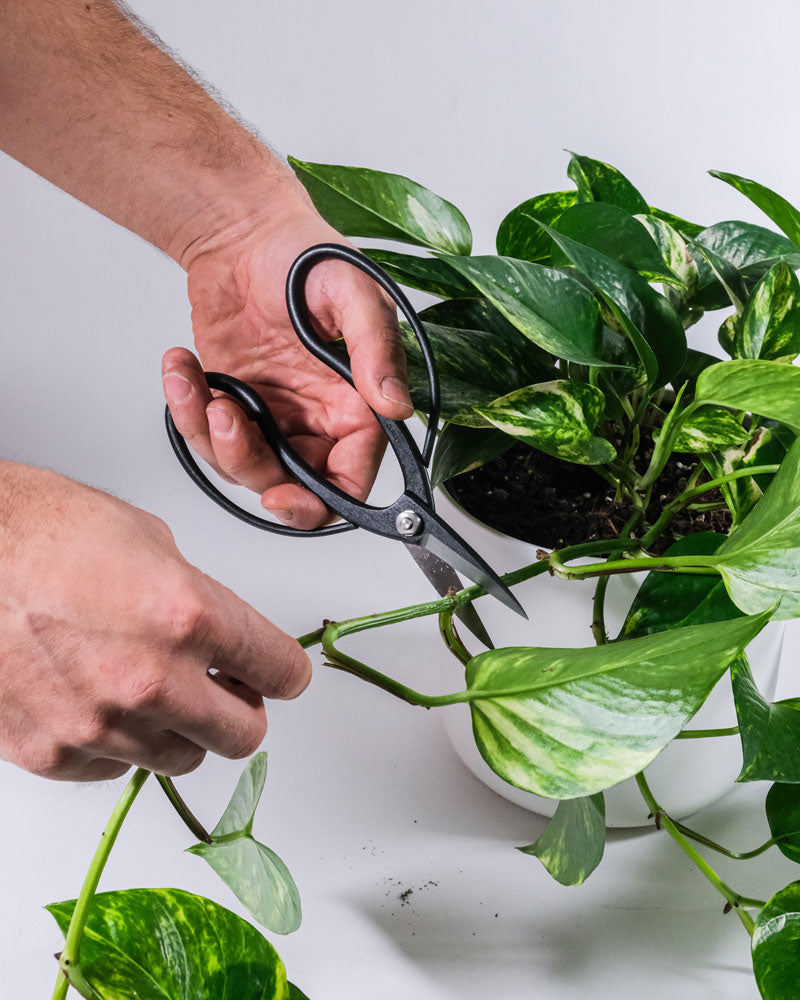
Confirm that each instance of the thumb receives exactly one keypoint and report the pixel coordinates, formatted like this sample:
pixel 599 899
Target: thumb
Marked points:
pixel 369 326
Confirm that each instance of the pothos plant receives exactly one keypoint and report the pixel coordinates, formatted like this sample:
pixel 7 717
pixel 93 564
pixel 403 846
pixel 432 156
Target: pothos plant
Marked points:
pixel 572 339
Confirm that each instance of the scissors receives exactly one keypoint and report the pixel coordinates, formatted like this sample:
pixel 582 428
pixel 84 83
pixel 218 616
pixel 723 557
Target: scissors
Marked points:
pixel 412 518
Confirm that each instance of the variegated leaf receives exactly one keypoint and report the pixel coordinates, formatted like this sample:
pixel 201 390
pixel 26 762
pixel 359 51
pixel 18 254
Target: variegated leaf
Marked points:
pixel 520 234
pixel 769 327
pixel 461 449
pixel 782 213
pixel 647 319
pixel 569 722
pixel 674 251
pixel 428 274
pixel 760 560
pixel 572 845
pixel 686 229
pixel 551 308
pixel 371 203
pixel 167 944
pixel 556 417
pixel 616 233
pixel 712 428
pixel 765 447
pixel 776 945
pixel 598 181
pixel 474 367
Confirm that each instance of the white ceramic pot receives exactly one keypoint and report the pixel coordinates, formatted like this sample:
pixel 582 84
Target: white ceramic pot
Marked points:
pixel 688 775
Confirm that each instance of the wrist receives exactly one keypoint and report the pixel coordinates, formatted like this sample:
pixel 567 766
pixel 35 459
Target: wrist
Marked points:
pixel 228 202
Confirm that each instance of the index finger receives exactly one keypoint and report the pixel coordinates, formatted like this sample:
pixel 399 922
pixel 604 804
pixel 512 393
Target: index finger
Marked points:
pixel 243 644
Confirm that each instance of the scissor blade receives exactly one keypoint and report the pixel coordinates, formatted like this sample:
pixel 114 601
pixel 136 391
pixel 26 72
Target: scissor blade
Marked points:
pixel 447 545
pixel 444 577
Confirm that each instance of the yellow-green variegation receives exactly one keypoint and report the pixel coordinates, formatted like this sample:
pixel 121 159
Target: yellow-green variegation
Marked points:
pixel 769 327
pixel 570 722
pixel 557 417
pixel 776 945
pixel 167 944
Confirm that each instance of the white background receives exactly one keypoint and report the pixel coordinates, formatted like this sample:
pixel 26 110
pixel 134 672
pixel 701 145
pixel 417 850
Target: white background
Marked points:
pixel 365 797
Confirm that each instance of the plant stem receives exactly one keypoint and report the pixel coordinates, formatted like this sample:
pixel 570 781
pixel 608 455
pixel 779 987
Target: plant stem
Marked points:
pixel 661 564
pixel 185 813
pixel 69 957
pixel 598 612
pixel 672 508
pixel 451 638
pixel 736 901
pixel 311 638
pixel 700 734
pixel 707 842
pixel 666 440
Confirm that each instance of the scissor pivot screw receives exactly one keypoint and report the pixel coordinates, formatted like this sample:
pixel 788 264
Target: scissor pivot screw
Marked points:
pixel 408 523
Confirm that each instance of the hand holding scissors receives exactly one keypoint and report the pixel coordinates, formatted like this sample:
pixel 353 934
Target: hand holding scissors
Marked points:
pixel 411 518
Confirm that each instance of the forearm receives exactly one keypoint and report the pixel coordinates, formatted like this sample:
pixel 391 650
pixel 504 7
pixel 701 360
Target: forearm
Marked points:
pixel 90 103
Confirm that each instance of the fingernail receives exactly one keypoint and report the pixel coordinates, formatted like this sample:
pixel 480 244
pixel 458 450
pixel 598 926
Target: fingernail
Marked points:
pixel 221 422
pixel 283 515
pixel 395 391
pixel 177 388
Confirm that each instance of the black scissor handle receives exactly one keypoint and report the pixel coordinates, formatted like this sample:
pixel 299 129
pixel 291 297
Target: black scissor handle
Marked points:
pixel 412 464
pixel 297 307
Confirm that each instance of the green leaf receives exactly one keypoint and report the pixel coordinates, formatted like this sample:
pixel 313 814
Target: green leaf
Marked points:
pixel 711 428
pixel 649 321
pixel 520 234
pixel 556 417
pixel 475 366
pixel 783 816
pixel 616 233
pixel 782 213
pixel 166 944
pixel 674 252
pixel 749 250
pixel 765 447
pixel 551 308
pixel 764 387
pixel 696 362
pixel 666 600
pixel 690 229
pixel 716 270
pixel 461 449
pixel 770 732
pixel 598 181
pixel 760 560
pixel 295 993
pixel 776 945
pixel 255 874
pixel 362 202
pixel 569 722
pixel 572 845
pixel 769 327
pixel 428 274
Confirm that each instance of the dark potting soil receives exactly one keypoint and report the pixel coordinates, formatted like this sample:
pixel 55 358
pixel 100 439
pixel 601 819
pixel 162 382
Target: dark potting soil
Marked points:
pixel 546 501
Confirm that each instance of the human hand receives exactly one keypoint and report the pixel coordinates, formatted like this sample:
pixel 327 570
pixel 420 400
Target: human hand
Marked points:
pixel 107 636
pixel 236 287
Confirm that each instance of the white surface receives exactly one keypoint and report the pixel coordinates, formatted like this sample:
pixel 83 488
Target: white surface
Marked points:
pixel 477 101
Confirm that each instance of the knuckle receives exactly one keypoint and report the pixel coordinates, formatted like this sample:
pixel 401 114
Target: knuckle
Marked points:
pixel 48 761
pixel 184 616
pixel 146 688
pixel 91 731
